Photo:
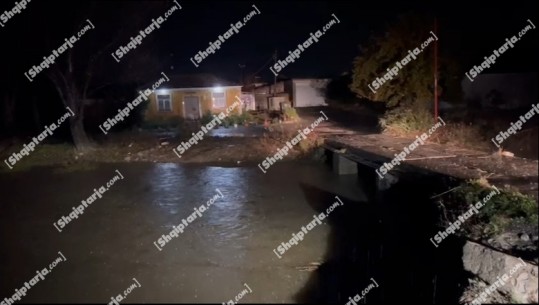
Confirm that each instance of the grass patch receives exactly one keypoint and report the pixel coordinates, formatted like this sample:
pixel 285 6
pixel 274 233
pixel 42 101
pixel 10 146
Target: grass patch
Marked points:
pixel 44 154
pixel 406 122
pixel 462 135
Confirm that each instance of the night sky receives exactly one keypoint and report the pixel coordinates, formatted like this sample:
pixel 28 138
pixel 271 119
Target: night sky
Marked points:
pixel 470 30
pixel 283 24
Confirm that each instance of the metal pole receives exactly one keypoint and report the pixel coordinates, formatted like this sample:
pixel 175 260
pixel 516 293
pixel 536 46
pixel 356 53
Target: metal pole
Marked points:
pixel 274 78
pixel 436 70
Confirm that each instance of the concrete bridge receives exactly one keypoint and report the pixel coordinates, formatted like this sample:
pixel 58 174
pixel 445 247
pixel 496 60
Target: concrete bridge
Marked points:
pixel 439 167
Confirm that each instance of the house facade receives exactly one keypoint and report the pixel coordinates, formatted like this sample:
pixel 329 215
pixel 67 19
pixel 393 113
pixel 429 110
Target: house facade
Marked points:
pixel 298 92
pixel 191 97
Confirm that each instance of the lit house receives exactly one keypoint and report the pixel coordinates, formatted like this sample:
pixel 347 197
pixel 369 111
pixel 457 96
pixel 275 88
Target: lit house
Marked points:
pixel 192 96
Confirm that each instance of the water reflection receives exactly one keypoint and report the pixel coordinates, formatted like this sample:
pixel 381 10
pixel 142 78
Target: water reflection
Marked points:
pixel 230 243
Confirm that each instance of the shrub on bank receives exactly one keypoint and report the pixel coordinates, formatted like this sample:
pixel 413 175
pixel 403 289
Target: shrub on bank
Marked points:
pixel 496 215
pixel 404 121
pixel 291 114
pixel 409 122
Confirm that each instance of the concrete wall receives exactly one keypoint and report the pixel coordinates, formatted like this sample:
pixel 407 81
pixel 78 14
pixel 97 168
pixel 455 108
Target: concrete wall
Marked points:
pixel 491 265
pixel 309 93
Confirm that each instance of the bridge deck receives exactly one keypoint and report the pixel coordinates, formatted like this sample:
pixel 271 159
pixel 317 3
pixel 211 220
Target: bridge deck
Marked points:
pixel 375 149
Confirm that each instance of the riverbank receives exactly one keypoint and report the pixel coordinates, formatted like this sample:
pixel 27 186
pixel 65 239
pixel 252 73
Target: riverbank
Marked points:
pixel 146 146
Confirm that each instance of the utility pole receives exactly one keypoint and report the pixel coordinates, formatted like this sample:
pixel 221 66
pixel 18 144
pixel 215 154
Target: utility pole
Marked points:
pixel 436 70
pixel 274 62
pixel 274 76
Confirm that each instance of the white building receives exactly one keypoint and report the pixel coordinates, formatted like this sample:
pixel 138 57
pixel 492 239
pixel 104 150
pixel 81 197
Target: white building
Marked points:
pixel 298 92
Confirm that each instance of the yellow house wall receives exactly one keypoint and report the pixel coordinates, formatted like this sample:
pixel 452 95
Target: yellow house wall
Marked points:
pixel 177 97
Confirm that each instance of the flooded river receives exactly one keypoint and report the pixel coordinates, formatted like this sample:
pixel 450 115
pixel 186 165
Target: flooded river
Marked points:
pixel 113 243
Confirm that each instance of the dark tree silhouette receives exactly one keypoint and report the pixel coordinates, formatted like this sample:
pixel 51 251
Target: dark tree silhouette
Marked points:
pixel 86 68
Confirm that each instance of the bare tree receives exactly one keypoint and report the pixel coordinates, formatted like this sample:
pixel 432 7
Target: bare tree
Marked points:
pixel 88 66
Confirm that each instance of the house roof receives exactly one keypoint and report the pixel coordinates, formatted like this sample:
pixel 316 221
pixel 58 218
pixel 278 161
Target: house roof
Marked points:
pixel 201 80
pixel 192 81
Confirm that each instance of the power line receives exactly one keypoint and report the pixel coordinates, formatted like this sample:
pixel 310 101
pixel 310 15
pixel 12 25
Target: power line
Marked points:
pixel 269 61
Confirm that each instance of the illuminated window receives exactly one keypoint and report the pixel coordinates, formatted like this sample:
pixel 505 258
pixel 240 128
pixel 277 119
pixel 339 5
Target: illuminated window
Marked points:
pixel 163 103
pixel 219 100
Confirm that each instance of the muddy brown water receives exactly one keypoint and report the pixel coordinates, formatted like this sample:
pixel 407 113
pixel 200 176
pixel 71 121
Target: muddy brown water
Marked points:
pixel 113 241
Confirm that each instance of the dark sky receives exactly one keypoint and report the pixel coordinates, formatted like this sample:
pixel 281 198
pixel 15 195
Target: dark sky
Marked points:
pixel 475 30
pixel 471 29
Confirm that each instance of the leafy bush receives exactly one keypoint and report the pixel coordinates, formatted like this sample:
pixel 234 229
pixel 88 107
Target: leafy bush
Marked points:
pixel 414 82
pixel 227 122
pixel 291 113
pixel 238 119
pixel 246 118
pixel 501 208
pixel 497 213
pixel 232 119
pixel 402 120
pixel 206 118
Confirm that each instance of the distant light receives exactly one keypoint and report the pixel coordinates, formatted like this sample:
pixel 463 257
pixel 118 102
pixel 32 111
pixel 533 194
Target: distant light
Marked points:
pixel 218 89
pixel 162 91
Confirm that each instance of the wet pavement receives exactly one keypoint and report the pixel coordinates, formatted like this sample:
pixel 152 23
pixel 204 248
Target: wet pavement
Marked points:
pixel 112 243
